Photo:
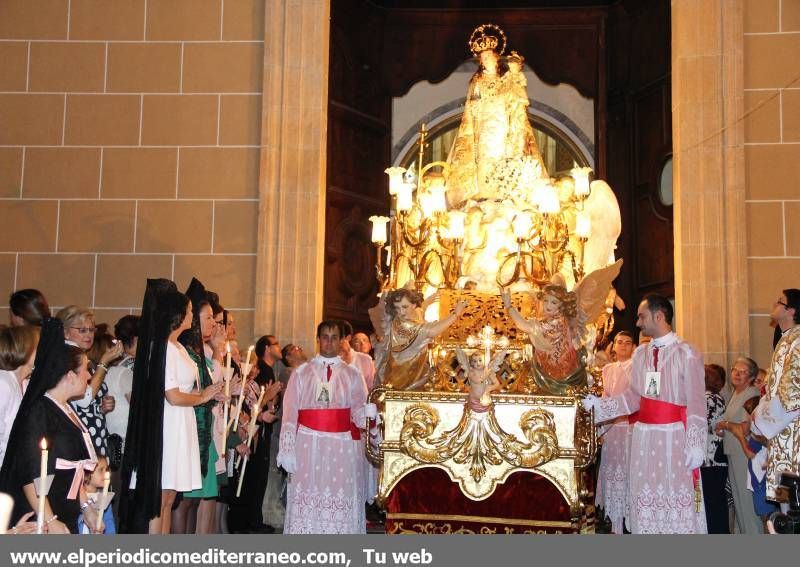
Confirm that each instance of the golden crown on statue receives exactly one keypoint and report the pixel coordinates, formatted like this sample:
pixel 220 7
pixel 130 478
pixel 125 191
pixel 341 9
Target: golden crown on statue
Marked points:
pixel 481 41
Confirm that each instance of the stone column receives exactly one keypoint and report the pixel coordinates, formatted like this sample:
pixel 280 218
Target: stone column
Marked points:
pixel 291 213
pixel 709 177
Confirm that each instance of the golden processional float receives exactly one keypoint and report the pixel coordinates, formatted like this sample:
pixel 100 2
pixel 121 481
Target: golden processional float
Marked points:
pixel 496 284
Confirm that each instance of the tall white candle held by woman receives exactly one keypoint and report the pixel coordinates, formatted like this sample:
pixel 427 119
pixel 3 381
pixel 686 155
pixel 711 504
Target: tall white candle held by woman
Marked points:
pixel 42 487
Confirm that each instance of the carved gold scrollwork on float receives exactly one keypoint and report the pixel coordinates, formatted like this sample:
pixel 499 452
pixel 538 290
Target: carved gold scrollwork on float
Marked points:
pixel 539 428
pixel 478 439
pixel 585 439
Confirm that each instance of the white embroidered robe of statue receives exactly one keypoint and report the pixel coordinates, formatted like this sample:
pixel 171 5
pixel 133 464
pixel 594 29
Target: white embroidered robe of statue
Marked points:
pixel 660 486
pixel 326 483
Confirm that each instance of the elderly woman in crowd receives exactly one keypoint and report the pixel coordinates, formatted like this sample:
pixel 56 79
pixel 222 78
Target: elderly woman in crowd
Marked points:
pixel 79 330
pixel 743 374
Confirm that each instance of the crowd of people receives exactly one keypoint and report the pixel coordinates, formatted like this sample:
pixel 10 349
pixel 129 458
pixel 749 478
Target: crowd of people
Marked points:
pixel 165 425
pixel 687 448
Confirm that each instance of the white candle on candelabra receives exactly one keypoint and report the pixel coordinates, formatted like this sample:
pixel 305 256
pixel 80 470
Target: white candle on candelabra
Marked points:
pixel 101 504
pixel 522 225
pixel 404 197
pixel 378 228
pixel 395 178
pixel 549 203
pixel 583 225
pixel 42 487
pixel 581 177
pixel 438 201
pixel 455 224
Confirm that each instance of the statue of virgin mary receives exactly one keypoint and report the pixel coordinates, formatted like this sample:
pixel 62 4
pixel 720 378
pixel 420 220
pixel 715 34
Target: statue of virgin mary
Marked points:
pixel 495 138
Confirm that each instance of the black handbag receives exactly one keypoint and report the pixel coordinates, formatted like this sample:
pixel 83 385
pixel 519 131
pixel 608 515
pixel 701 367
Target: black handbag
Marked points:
pixel 114 451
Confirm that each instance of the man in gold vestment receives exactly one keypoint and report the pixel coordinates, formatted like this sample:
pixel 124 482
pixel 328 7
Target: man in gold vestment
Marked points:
pixel 778 414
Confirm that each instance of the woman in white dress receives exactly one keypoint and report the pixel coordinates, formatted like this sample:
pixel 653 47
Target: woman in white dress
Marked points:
pixel 180 458
pixel 612 476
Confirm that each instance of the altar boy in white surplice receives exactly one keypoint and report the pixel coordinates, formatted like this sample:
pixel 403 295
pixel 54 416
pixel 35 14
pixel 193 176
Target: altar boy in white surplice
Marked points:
pixel 323 408
pixel 668 439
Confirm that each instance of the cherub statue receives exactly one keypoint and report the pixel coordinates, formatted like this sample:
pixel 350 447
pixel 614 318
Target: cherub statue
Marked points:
pixel 564 326
pixel 482 379
pixel 404 336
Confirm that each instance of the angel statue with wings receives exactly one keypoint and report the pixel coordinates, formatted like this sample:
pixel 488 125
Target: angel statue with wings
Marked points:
pixel 560 332
pixel 403 337
pixel 482 378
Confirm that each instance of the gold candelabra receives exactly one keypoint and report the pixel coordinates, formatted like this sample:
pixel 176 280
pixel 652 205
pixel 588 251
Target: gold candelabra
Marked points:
pixel 426 238
pixel 543 237
pixel 427 242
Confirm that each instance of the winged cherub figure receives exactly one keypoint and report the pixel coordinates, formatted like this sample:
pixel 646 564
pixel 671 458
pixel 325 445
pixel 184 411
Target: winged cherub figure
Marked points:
pixel 563 329
pixel 482 379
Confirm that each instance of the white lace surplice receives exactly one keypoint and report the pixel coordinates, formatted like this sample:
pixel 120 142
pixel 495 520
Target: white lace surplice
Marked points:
pixel 661 488
pixel 612 476
pixel 326 491
pixel 363 362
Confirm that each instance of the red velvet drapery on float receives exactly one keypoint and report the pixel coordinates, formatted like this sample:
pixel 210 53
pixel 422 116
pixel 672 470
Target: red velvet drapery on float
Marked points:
pixel 426 501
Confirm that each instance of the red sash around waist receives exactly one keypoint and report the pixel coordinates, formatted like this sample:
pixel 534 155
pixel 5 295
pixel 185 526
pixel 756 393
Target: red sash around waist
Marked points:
pixel 657 412
pixel 335 420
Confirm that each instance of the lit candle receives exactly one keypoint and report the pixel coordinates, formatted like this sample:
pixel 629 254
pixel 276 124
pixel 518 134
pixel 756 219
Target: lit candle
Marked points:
pixel 378 228
pixel 246 366
pixel 581 177
pixel 228 355
pixel 522 225
pixel 437 202
pixel 101 506
pixel 549 203
pixel 538 190
pixel 583 225
pixel 245 373
pixel 455 224
pixel 395 178
pixel 42 487
pixel 404 197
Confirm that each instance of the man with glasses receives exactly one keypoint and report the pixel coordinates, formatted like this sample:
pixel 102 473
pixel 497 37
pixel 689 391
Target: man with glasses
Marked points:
pixel 777 416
